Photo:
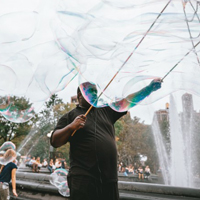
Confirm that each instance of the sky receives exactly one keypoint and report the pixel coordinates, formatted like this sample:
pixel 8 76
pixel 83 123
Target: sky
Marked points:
pixel 51 46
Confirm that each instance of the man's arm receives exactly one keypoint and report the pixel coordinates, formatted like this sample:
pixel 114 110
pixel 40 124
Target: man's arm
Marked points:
pixel 61 136
pixel 132 99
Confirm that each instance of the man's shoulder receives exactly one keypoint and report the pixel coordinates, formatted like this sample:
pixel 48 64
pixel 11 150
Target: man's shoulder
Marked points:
pixel 68 117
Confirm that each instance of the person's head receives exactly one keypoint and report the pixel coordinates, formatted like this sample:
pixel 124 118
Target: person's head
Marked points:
pixel 10 155
pixel 123 169
pixel 89 91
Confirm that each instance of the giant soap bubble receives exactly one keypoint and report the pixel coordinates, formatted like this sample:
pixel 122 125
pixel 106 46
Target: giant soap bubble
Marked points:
pixel 46 44
pixel 32 65
pixel 7 145
pixel 59 179
pixel 8 153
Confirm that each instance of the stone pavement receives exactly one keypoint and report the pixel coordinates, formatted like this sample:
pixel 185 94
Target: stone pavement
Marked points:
pixel 124 195
pixel 36 186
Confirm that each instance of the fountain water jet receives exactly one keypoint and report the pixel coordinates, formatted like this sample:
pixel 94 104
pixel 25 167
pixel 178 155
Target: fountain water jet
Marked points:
pixel 178 170
pixel 177 165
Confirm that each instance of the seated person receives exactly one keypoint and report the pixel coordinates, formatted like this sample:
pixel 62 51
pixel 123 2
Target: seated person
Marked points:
pixel 37 165
pixel 130 169
pixel 140 173
pixel 44 163
pixel 51 166
pixel 63 163
pixel 58 164
pixel 124 171
pixel 26 161
pixel 30 163
pixel 147 172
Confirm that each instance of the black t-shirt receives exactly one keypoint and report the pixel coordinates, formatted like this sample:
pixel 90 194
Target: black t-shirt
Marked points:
pixel 5 175
pixel 92 149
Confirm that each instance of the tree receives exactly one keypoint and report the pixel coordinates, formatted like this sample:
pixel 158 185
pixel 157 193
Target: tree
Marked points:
pixel 135 139
pixel 54 108
pixel 165 131
pixel 152 155
pixel 10 131
pixel 40 148
pixel 59 110
pixel 130 139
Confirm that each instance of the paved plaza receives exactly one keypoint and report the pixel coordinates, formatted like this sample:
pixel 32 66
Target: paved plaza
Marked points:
pixel 36 186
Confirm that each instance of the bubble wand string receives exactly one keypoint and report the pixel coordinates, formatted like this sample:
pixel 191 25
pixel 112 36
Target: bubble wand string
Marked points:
pixel 188 27
pixel 126 60
pixel 195 11
pixel 178 62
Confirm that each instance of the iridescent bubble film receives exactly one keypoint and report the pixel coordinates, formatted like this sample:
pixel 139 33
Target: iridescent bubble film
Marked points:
pixel 59 179
pixel 47 45
pixel 8 156
pixel 7 145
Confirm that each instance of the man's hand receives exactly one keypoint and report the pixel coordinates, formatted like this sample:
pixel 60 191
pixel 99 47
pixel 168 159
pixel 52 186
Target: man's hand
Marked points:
pixel 79 122
pixel 155 84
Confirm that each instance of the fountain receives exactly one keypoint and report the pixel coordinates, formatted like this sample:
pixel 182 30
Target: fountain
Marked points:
pixel 178 164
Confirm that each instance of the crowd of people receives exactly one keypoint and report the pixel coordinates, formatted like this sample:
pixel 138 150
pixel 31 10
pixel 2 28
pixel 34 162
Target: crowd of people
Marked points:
pixel 59 163
pixel 35 164
pixel 141 171
pixel 10 161
pixel 8 169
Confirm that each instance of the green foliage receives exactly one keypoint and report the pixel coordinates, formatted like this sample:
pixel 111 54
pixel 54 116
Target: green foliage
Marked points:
pixel 135 139
pixel 165 131
pixel 53 100
pixel 60 109
pixel 65 152
pixel 10 131
pixel 40 148
pixel 118 129
pixel 39 145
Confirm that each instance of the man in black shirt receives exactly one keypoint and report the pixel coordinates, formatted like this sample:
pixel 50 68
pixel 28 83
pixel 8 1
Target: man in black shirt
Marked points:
pixel 93 153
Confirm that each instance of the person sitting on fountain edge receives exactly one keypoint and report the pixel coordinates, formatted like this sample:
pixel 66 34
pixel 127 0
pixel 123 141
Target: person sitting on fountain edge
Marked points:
pixel 93 153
